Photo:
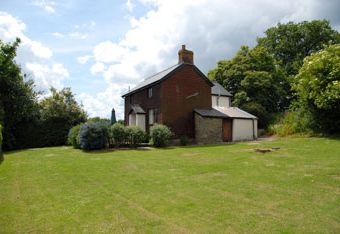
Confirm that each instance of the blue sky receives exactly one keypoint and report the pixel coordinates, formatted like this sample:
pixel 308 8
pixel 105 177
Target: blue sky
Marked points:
pixel 100 48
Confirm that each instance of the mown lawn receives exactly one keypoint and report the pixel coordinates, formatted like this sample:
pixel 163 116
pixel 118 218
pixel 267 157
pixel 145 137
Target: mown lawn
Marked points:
pixel 201 189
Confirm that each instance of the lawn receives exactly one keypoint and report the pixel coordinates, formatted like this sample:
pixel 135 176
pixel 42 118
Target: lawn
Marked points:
pixel 199 189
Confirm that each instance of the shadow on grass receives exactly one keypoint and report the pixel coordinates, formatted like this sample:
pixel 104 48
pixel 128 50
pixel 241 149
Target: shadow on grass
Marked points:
pixel 2 158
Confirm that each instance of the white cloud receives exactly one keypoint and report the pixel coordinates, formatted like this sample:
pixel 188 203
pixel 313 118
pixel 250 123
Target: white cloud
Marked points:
pixel 46 76
pixel 102 103
pixel 57 34
pixel 78 35
pixel 129 5
pixel 48 6
pixel 10 28
pixel 109 52
pixel 97 68
pixel 84 59
pixel 33 56
pixel 213 29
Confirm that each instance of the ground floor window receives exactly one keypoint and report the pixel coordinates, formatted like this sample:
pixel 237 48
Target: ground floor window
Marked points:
pixel 152 116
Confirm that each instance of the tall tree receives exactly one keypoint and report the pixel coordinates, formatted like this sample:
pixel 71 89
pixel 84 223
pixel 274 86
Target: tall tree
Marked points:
pixel 290 43
pixel 318 88
pixel 59 112
pixel 255 80
pixel 18 100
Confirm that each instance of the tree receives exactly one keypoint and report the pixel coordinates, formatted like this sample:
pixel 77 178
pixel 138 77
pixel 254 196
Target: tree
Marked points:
pixel 19 111
pixel 255 80
pixel 290 43
pixel 317 87
pixel 59 112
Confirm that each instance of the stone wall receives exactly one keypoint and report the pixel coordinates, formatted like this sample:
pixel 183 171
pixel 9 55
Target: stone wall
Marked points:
pixel 208 130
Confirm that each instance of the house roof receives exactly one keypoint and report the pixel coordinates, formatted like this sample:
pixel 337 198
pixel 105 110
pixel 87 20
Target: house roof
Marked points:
pixel 219 90
pixel 226 112
pixel 235 112
pixel 158 77
pixel 210 113
pixel 137 109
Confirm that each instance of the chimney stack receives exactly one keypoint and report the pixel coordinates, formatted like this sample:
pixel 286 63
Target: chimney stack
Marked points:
pixel 185 56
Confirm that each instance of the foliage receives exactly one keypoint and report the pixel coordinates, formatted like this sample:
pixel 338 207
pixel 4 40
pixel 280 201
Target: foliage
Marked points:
pixel 1 156
pixel 292 122
pixel 93 135
pixel 113 116
pixel 19 112
pixel 183 140
pixel 134 135
pixel 121 121
pixel 160 135
pixel 73 137
pixel 98 119
pixel 59 112
pixel 290 43
pixel 119 134
pixel 257 83
pixel 317 87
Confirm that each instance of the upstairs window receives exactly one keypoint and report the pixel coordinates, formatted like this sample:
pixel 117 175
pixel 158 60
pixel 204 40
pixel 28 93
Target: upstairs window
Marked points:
pixel 149 92
pixel 218 101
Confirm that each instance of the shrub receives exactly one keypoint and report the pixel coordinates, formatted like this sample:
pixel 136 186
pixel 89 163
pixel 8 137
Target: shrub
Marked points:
pixel 298 121
pixel 160 135
pixel 1 157
pixel 183 140
pixel 118 134
pixel 134 135
pixel 73 137
pixel 93 135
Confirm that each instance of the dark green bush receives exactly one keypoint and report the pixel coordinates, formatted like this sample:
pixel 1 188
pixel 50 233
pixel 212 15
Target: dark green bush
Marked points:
pixel 118 134
pixel 134 135
pixel 183 140
pixel 1 157
pixel 160 135
pixel 93 136
pixel 73 137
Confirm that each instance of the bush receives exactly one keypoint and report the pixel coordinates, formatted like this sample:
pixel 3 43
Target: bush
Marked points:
pixel 294 122
pixel 1 157
pixel 183 140
pixel 134 135
pixel 160 135
pixel 93 136
pixel 118 134
pixel 73 137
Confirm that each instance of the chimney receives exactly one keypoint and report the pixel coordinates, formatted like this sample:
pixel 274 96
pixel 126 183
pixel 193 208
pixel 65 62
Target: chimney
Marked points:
pixel 185 56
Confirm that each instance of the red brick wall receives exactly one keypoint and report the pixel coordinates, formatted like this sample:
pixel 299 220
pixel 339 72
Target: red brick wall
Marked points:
pixel 177 105
pixel 145 102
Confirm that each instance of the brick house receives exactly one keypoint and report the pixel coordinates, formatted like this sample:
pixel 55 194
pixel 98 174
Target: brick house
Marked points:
pixel 185 100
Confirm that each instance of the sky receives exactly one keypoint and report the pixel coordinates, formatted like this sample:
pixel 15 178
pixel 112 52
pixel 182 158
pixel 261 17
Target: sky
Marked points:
pixel 101 48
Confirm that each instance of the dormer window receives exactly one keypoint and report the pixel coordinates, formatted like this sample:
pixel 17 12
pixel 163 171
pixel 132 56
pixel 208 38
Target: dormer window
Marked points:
pixel 149 92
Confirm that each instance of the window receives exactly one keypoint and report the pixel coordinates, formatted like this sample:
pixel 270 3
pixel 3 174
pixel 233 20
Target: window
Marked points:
pixel 152 116
pixel 217 101
pixel 149 92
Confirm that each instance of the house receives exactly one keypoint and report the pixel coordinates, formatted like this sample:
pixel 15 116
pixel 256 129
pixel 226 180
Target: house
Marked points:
pixel 191 105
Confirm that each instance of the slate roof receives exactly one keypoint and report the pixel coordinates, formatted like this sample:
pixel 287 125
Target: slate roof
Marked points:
pixel 227 112
pixel 235 112
pixel 137 109
pixel 161 76
pixel 219 90
pixel 210 113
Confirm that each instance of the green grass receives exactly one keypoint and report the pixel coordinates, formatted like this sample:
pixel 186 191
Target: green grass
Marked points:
pixel 201 189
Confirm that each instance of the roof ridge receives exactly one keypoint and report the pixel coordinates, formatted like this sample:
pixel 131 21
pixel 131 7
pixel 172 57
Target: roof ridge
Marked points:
pixel 161 71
